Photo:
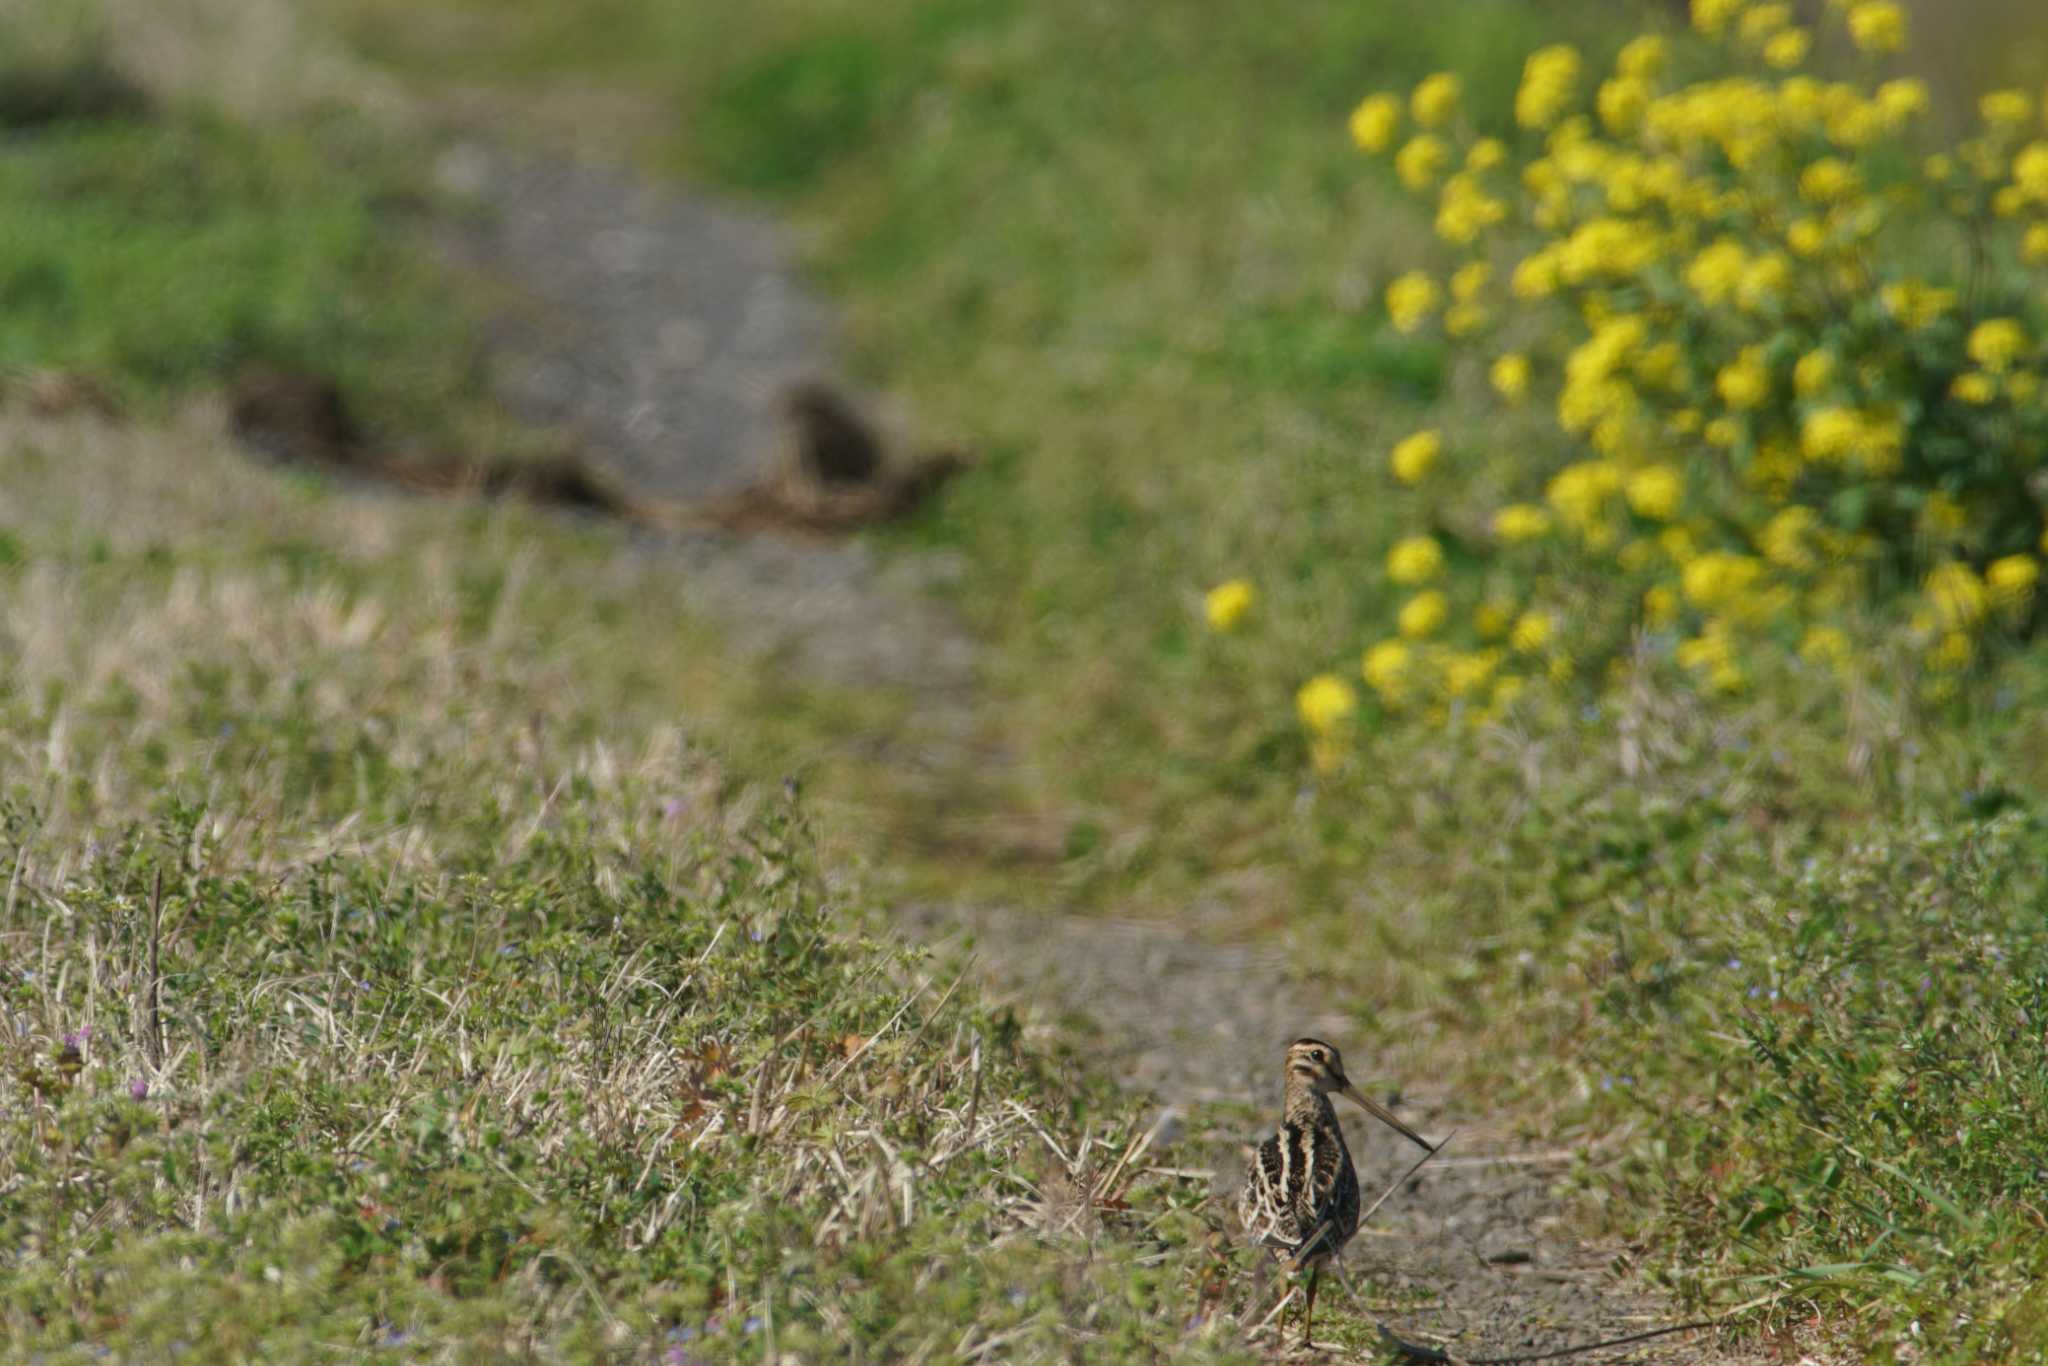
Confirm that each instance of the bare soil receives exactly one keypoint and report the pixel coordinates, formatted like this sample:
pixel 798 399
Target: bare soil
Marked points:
pixel 658 325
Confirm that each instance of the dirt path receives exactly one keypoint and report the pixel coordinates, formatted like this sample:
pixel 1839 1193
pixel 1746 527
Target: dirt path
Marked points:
pixel 658 327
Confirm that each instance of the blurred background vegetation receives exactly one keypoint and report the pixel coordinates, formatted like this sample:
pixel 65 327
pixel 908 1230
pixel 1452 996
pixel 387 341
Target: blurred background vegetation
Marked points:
pixel 1785 958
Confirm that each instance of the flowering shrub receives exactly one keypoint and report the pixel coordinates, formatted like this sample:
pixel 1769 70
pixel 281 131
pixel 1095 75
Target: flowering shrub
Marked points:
pixel 1791 351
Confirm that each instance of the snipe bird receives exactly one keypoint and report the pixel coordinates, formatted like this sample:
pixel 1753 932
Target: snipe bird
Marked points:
pixel 1300 1197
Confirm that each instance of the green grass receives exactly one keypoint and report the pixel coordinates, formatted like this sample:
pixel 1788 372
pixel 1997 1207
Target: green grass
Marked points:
pixel 155 248
pixel 1126 255
pixel 1873 1023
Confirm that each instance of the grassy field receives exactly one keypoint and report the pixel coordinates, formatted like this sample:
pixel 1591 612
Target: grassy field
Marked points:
pixel 383 974
pixel 1782 963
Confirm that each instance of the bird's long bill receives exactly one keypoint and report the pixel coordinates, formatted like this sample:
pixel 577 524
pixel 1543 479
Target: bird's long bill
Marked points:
pixel 1386 1117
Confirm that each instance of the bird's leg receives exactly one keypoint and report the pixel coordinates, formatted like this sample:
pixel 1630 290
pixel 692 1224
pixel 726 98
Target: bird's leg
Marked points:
pixel 1308 1312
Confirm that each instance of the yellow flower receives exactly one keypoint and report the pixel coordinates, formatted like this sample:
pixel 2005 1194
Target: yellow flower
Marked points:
pixel 1580 492
pixel 1462 320
pixel 1227 603
pixel 1510 376
pixel 1660 606
pixel 1807 237
pixel 1974 386
pixel 1711 16
pixel 1996 343
pixel 1711 648
pixel 2030 172
pixel 2006 110
pixel 1788 49
pixel 1423 615
pixel 1783 538
pixel 1326 704
pixel 1468 280
pixel 1374 123
pixel 1745 382
pixel 1951 653
pixel 1830 180
pixel 1813 373
pixel 1876 441
pixel 1655 491
pixel 1411 299
pixel 1766 279
pixel 1465 674
pixel 1486 154
pixel 1385 669
pixel 1536 275
pixel 1506 689
pixel 1413 456
pixel 1521 522
pixel 1956 594
pixel 1642 57
pixel 1659 365
pixel 1716 272
pixel 1465 209
pixel 1435 99
pixel 1549 82
pixel 1417 559
pixel 1916 303
pixel 2011 580
pixel 1421 161
pixel 1531 633
pixel 1902 99
pixel 1759 22
pixel 1621 101
pixel 2034 244
pixel 1877 26
pixel 1825 645
pixel 1718 577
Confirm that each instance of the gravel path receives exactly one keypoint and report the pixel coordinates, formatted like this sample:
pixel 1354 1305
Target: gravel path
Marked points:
pixel 660 326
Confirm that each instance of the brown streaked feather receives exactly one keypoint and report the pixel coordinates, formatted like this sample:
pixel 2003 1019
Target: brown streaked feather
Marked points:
pixel 1302 1179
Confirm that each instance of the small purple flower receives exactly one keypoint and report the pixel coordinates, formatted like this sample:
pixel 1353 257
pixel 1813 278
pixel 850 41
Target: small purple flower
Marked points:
pixel 674 807
pixel 138 1089
pixel 752 1325
pixel 77 1039
pixel 1755 992
pixel 1734 964
pixel 1926 985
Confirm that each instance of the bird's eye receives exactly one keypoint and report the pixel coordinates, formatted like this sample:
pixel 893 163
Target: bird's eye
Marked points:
pixel 1318 1056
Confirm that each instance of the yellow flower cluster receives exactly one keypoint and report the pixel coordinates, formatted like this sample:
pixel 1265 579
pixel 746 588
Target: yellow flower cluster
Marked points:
pixel 1761 392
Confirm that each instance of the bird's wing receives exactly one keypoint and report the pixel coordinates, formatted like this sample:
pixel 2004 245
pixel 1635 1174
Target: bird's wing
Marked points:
pixel 1293 1186
pixel 1267 1206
